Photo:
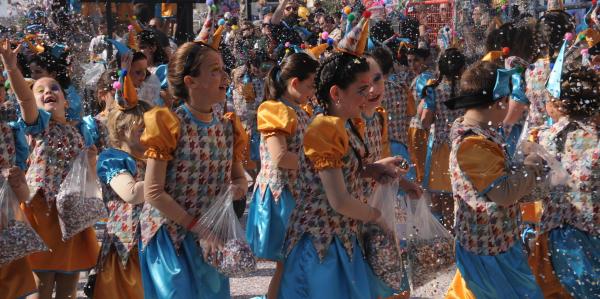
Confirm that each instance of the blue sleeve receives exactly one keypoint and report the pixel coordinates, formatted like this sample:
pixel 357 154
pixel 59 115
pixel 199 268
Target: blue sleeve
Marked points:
pixel 430 99
pixel 74 109
pixel 89 130
pixel 21 145
pixel 40 125
pixel 112 162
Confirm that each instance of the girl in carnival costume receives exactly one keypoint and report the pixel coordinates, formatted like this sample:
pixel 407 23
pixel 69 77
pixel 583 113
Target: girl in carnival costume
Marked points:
pixel 194 154
pixel 56 144
pixel 281 122
pixel 489 257
pixel 121 170
pixel 324 258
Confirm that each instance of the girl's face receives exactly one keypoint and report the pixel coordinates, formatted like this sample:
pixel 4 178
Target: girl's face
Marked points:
pixel 304 90
pixel 138 72
pixel 38 72
pixel 553 110
pixel 212 82
pixel 108 98
pixel 49 96
pixel 353 99
pixel 132 138
pixel 148 50
pixel 377 89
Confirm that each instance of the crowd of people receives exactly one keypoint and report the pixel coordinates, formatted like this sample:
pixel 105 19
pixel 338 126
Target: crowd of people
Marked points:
pixel 300 124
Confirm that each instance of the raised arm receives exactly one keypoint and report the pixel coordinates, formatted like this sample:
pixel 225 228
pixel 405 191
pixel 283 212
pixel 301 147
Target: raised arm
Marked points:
pixel 278 14
pixel 21 89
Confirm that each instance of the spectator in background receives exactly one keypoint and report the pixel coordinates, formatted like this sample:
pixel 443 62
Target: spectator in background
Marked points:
pixel 283 21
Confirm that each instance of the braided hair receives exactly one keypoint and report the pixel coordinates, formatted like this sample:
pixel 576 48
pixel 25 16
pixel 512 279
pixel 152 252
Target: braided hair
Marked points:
pixel 341 70
pixel 450 65
pixel 580 93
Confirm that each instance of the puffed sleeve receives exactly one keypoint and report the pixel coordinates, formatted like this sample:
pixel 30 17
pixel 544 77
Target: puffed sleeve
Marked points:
pixel 161 133
pixel 89 130
pixel 21 145
pixel 40 125
pixel 385 140
pixel 240 138
pixel 112 162
pixel 275 117
pixel 482 161
pixel 326 142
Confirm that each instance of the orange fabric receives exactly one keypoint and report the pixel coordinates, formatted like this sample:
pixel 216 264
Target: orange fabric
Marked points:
pixel 124 11
pixel 76 254
pixel 541 266
pixel 326 142
pixel 417 147
pixel 274 117
pixel 458 289
pixel 385 139
pixel 439 178
pixel 117 282
pixel 16 279
pixel 481 160
pixel 129 92
pixel 240 138
pixel 531 211
pixel 168 10
pixel 161 133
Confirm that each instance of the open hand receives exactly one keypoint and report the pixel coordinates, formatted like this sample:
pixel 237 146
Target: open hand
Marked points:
pixel 9 56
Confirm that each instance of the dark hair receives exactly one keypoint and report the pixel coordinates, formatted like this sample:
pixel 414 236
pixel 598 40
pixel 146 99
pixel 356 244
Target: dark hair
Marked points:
pixel 409 28
pixel 58 66
pixel 105 84
pixel 418 52
pixel 385 59
pixel 150 38
pixel 297 65
pixel 142 12
pixel 450 65
pixel 382 31
pixel 479 79
pixel 551 30
pixel 187 61
pixel 340 69
pixel 580 93
pixel 518 37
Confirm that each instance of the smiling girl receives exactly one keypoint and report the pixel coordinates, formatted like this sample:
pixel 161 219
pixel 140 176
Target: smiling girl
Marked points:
pixel 194 154
pixel 56 144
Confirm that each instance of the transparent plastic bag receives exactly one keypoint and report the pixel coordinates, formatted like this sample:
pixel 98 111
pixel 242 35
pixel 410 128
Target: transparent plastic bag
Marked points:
pixel 382 246
pixel 558 175
pixel 220 224
pixel 92 73
pixel 430 245
pixel 79 201
pixel 17 238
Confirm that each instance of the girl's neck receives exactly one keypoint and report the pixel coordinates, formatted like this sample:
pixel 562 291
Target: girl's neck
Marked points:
pixel 294 100
pixel 369 113
pixel 126 148
pixel 201 112
pixel 475 118
pixel 333 111
pixel 62 119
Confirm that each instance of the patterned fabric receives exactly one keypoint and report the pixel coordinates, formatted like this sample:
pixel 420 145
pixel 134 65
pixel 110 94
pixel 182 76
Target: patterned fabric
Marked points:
pixel 278 178
pixel 55 146
pixel 481 226
pixel 395 103
pixel 536 77
pixel 373 137
pixel 123 218
pixel 246 110
pixel 313 214
pixel 200 170
pixel 577 146
pixel 7 147
pixel 444 117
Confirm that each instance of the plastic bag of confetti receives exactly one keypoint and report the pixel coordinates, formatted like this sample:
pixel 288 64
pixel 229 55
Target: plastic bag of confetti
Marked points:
pixel 79 201
pixel 558 175
pixel 17 238
pixel 382 247
pixel 430 245
pixel 220 225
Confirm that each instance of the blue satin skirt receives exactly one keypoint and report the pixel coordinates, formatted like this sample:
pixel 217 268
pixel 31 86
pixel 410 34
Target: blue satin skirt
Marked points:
pixel 400 149
pixel 506 275
pixel 267 223
pixel 255 146
pixel 168 274
pixel 305 276
pixel 576 260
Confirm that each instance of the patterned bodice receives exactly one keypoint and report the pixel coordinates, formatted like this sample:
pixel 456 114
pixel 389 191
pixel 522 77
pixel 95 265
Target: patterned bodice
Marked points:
pixel 278 178
pixel 395 103
pixel 7 147
pixel 536 77
pixel 315 216
pixel 246 111
pixel 373 137
pixel 55 146
pixel 444 117
pixel 199 171
pixel 577 146
pixel 481 226
pixel 123 218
